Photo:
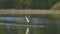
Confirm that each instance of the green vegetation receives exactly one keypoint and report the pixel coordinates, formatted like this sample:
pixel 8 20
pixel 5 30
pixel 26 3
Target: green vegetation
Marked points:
pixel 31 4
pixel 56 6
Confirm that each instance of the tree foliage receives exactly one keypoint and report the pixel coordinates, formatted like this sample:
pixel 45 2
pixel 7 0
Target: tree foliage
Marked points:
pixel 56 6
pixel 34 4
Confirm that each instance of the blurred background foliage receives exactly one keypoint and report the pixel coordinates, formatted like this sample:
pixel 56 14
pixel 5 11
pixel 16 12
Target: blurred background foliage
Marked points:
pixel 27 4
pixel 56 6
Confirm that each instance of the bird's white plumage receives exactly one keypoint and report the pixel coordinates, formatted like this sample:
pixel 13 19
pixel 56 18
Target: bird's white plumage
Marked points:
pixel 27 19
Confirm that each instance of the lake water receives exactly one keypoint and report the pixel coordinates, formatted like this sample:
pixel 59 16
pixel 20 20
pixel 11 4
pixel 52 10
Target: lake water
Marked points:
pixel 48 25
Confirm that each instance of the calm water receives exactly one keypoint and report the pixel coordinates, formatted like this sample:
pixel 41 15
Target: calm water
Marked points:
pixel 48 25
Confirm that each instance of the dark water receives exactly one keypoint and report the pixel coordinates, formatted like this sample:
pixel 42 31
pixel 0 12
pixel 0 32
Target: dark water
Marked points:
pixel 51 26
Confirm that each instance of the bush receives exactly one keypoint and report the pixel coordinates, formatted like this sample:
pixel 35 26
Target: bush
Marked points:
pixel 56 6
